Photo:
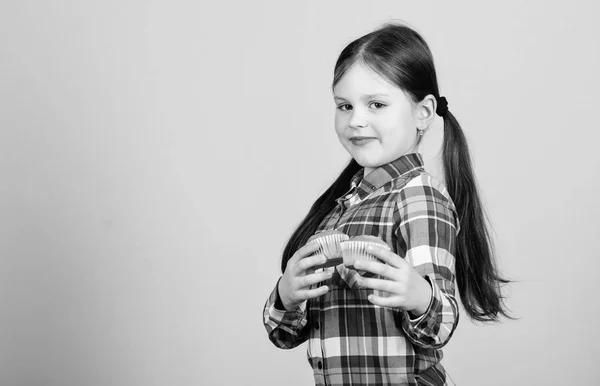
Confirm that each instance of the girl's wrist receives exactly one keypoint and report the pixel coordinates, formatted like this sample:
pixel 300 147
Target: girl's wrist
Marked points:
pixel 425 294
pixel 284 301
pixel 288 305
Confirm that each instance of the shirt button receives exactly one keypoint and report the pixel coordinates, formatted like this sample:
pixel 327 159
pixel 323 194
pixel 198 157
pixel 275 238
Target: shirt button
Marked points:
pixel 320 365
pixel 316 325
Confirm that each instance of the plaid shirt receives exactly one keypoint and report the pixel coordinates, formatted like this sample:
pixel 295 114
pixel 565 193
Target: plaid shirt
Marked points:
pixel 350 340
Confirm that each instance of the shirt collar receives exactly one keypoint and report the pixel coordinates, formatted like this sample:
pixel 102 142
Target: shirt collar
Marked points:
pixel 385 173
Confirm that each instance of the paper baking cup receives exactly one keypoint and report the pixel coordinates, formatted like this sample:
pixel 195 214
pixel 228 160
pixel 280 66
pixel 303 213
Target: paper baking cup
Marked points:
pixel 329 245
pixel 357 250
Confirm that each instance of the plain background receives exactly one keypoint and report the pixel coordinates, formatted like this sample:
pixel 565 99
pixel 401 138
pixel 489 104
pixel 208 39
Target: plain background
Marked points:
pixel 156 155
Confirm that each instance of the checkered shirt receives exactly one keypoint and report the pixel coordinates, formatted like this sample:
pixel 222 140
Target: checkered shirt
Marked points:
pixel 350 340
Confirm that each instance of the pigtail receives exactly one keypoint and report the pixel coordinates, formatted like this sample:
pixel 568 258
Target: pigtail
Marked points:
pixel 322 206
pixel 477 275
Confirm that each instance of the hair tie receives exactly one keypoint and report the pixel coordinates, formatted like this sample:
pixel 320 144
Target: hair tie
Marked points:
pixel 442 106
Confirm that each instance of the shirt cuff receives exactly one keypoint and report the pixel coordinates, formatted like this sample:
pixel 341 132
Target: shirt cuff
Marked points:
pixel 426 323
pixel 286 329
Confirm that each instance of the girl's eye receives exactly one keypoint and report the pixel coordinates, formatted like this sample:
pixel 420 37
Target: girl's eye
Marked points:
pixel 345 107
pixel 377 105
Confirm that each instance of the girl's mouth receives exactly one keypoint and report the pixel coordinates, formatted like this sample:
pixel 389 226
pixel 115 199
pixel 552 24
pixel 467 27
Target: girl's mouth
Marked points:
pixel 359 141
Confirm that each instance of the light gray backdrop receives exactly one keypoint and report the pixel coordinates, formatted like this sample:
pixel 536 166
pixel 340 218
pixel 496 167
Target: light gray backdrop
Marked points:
pixel 156 155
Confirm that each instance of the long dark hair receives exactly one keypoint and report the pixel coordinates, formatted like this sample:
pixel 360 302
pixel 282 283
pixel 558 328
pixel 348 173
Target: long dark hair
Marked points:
pixel 401 55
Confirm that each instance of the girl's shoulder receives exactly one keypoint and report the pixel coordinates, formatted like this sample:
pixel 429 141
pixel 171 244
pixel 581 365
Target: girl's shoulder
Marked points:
pixel 422 186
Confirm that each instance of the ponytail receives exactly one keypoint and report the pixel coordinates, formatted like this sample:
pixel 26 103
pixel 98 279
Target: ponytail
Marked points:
pixel 324 204
pixel 477 276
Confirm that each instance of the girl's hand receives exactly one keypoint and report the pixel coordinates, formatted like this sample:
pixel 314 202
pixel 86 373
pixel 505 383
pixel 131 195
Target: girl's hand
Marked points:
pixel 299 275
pixel 407 288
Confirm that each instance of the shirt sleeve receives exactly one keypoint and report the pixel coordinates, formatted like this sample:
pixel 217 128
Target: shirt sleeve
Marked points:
pixel 286 329
pixel 426 238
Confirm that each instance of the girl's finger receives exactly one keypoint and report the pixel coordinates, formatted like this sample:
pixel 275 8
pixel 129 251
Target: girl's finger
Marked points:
pixel 377 284
pixel 314 293
pixel 390 302
pixel 314 278
pixel 387 256
pixel 377 268
pixel 306 250
pixel 311 261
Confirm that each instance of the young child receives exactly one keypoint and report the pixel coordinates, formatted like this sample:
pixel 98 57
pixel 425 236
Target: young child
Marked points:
pixel 388 325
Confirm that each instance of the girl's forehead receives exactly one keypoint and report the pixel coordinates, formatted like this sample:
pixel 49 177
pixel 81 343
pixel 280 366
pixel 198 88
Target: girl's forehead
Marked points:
pixel 361 79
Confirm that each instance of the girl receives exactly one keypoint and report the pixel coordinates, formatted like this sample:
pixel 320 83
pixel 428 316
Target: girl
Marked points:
pixel 388 325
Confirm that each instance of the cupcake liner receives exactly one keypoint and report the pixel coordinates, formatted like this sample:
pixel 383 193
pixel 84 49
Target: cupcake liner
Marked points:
pixel 329 245
pixel 356 250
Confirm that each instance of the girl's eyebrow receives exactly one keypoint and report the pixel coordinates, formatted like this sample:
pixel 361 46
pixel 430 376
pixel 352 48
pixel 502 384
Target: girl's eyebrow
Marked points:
pixel 371 96
pixel 368 96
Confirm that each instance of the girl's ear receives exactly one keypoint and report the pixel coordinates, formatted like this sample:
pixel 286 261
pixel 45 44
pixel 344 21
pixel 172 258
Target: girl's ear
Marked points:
pixel 426 112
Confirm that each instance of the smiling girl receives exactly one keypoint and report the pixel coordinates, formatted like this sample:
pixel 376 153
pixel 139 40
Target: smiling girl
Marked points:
pixel 387 326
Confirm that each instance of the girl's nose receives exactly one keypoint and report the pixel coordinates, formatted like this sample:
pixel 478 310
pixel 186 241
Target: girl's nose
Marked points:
pixel 358 119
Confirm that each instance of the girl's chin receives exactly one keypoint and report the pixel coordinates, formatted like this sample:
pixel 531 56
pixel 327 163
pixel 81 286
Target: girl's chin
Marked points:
pixel 371 159
pixel 367 162
pixel 371 162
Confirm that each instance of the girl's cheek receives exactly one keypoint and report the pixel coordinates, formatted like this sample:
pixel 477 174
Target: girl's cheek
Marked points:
pixel 339 126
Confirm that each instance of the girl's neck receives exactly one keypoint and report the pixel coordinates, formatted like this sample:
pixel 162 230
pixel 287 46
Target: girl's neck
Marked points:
pixel 368 170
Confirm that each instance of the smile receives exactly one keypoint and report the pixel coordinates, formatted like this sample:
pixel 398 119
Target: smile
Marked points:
pixel 359 141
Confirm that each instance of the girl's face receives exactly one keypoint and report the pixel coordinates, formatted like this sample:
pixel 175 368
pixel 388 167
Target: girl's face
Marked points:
pixel 375 120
